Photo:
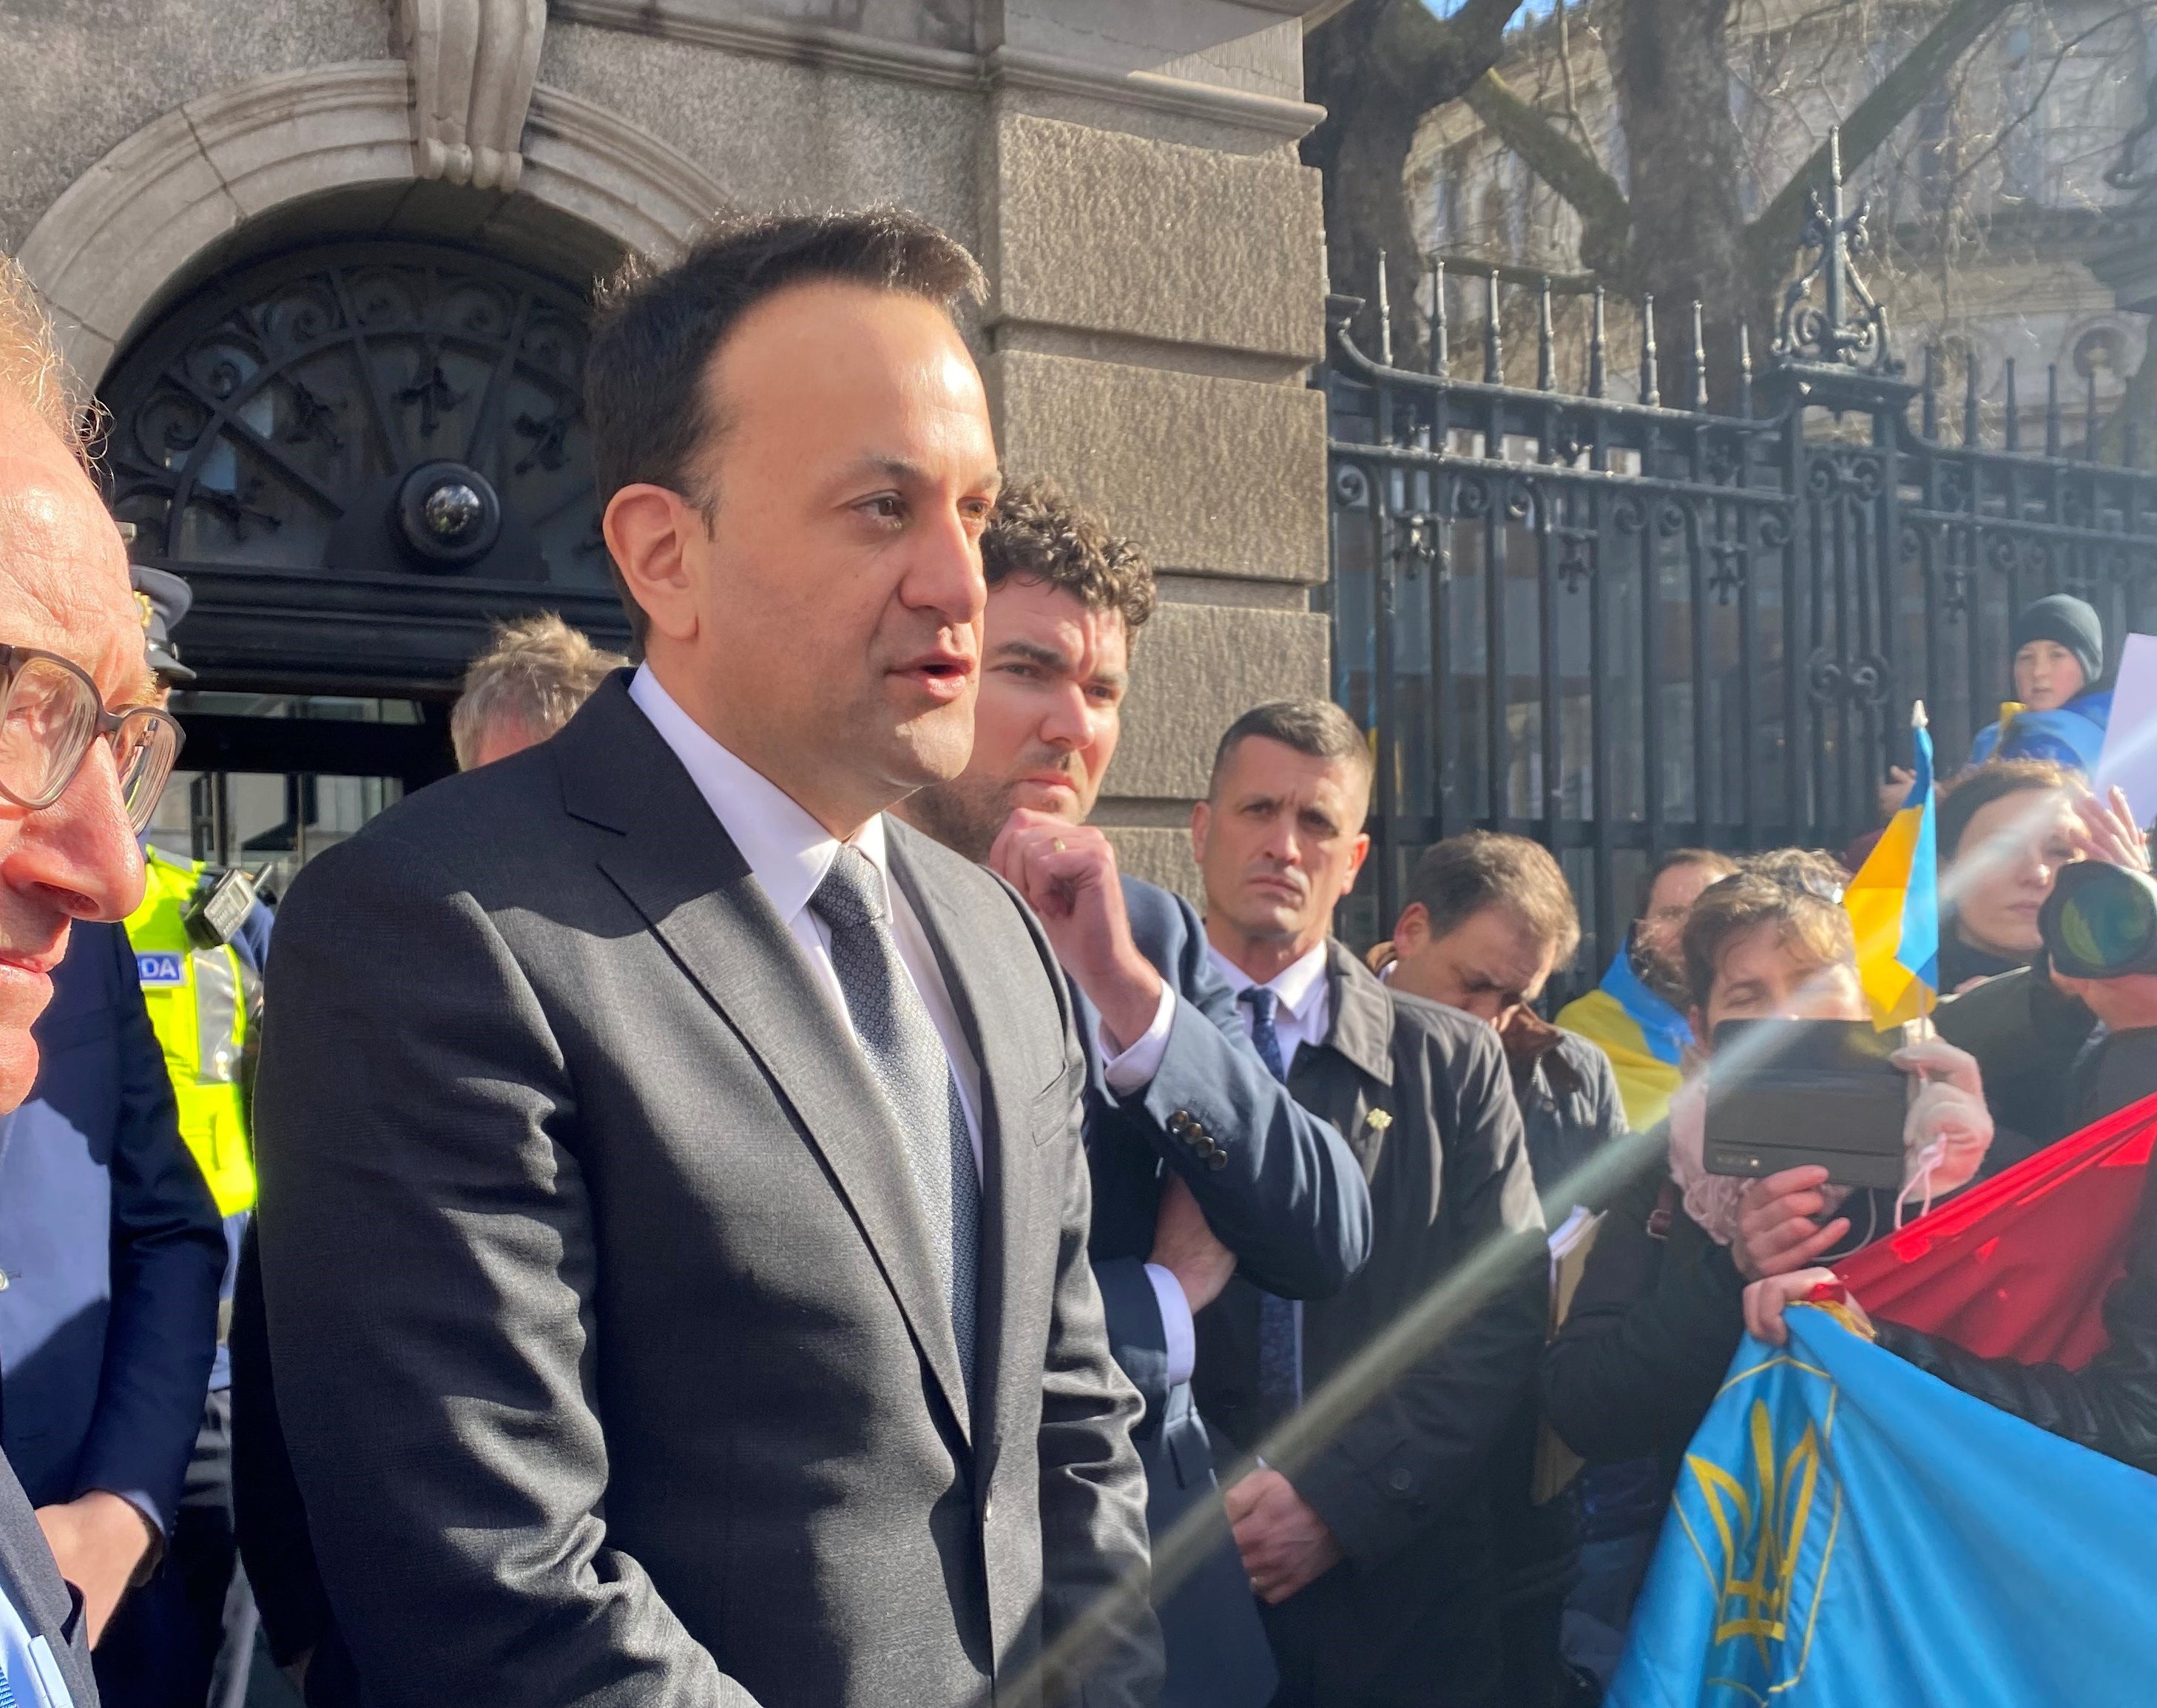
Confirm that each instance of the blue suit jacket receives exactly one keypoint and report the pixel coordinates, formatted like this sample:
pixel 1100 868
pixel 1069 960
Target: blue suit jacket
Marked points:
pixel 1281 1189
pixel 112 1249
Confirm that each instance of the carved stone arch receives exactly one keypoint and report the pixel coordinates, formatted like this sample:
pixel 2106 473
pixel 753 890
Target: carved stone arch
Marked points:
pixel 105 253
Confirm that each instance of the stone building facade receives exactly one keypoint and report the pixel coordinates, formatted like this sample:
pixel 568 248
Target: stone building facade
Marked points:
pixel 312 252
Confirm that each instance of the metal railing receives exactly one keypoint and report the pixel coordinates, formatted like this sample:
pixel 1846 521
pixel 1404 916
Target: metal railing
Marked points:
pixel 1621 625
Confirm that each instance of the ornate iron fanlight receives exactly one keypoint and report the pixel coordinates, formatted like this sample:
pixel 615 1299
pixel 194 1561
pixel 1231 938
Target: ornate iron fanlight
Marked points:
pixel 360 411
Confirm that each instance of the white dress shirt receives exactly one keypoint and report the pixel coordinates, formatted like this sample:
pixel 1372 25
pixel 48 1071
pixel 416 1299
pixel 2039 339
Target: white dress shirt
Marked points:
pixel 1303 1007
pixel 1303 1013
pixel 788 854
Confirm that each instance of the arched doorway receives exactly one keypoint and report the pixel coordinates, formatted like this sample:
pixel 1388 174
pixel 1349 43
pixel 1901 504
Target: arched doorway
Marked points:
pixel 359 454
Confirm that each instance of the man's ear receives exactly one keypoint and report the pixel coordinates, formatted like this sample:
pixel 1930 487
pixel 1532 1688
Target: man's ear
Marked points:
pixel 1356 861
pixel 1697 1019
pixel 648 531
pixel 1412 930
pixel 1202 823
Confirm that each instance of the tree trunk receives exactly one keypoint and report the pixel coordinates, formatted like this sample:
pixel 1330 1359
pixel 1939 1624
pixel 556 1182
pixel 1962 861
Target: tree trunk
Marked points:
pixel 1671 61
pixel 1361 151
pixel 1378 66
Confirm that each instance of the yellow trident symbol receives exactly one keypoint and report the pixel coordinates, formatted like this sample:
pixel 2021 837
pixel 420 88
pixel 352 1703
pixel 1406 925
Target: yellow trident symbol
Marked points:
pixel 1761 1530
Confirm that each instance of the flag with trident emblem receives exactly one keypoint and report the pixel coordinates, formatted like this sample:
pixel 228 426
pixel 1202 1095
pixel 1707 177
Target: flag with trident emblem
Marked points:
pixel 1848 1532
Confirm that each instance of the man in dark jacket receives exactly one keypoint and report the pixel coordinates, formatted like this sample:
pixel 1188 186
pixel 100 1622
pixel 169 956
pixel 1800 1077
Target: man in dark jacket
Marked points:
pixel 1371 1546
pixel 1489 918
pixel 1273 1191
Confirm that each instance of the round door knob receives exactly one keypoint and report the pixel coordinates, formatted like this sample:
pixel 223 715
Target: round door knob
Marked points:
pixel 447 514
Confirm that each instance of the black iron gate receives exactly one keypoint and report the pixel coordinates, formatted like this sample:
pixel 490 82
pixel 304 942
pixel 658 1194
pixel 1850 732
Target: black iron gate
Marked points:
pixel 1623 625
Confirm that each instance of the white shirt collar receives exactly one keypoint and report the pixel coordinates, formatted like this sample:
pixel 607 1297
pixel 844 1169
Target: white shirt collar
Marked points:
pixel 787 850
pixel 1295 986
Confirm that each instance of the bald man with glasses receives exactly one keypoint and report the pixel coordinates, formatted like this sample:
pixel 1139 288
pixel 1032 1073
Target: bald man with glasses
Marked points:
pixel 85 752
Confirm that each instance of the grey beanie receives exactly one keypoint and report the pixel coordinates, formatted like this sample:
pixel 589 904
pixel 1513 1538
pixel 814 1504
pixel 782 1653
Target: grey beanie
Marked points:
pixel 2073 623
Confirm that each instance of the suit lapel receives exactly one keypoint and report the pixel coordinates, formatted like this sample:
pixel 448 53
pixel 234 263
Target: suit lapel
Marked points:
pixel 989 996
pixel 32 1583
pixel 1359 1039
pixel 678 868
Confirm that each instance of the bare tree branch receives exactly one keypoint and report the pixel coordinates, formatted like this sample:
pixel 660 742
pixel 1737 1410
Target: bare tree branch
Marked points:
pixel 1562 163
pixel 1378 66
pixel 1772 237
pixel 2063 52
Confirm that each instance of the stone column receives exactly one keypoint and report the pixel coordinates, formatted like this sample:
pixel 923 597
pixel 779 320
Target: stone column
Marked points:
pixel 1158 299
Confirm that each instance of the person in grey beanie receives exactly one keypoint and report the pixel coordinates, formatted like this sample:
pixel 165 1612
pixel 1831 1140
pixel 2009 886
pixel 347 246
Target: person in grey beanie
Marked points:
pixel 2058 662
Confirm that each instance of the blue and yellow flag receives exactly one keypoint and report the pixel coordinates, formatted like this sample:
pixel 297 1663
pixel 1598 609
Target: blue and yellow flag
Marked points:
pixel 1850 1532
pixel 1643 1035
pixel 1894 901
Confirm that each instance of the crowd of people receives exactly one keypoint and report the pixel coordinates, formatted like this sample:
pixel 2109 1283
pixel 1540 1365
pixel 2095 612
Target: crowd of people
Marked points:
pixel 736 1198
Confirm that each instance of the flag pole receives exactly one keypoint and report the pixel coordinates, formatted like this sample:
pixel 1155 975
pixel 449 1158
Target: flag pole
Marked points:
pixel 1930 1000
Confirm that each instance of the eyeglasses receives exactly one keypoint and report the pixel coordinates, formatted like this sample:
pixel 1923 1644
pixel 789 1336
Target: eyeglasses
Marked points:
pixel 50 713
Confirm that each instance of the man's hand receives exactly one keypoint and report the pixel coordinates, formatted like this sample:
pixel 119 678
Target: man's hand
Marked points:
pixel 1765 1301
pixel 1283 1543
pixel 1185 1246
pixel 99 1540
pixel 1776 1228
pixel 1067 874
pixel 1895 791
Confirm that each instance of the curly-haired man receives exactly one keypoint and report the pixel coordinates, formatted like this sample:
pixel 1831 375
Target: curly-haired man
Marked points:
pixel 1252 1182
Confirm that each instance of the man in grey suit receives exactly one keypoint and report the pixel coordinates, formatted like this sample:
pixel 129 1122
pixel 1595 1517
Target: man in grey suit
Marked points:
pixel 86 757
pixel 673 1226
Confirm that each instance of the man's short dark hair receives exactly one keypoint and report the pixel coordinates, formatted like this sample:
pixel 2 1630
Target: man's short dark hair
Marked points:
pixel 1316 727
pixel 1995 779
pixel 656 328
pixel 1458 879
pixel 1039 534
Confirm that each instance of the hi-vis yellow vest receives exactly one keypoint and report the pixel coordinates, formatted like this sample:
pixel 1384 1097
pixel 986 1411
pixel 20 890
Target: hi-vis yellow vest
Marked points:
pixel 198 1007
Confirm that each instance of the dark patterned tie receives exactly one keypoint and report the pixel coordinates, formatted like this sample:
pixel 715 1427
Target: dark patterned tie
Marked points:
pixel 1280 1374
pixel 908 1062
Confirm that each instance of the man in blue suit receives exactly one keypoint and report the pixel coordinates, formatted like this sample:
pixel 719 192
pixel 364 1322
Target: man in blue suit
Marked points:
pixel 84 1231
pixel 1201 1164
pixel 114 1249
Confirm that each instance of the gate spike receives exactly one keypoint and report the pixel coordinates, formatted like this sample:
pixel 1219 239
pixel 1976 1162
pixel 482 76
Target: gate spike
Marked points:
pixel 1438 351
pixel 2089 419
pixel 1745 370
pixel 1696 361
pixel 2051 409
pixel 2013 436
pixel 1494 354
pixel 1385 316
pixel 1596 379
pixel 1650 395
pixel 1546 375
pixel 1970 423
pixel 1931 416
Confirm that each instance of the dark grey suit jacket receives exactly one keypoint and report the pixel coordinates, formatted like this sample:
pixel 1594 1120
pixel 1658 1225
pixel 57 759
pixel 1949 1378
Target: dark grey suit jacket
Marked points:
pixel 609 1350
pixel 31 1582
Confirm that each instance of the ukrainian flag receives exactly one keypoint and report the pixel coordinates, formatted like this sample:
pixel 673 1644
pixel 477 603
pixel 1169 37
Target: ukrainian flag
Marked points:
pixel 1850 1532
pixel 1894 902
pixel 1644 1036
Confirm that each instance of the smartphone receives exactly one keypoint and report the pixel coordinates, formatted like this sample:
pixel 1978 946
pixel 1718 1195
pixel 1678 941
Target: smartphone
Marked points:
pixel 1784 1093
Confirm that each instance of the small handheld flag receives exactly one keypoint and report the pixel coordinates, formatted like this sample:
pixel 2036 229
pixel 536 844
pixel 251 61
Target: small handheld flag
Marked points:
pixel 1894 901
